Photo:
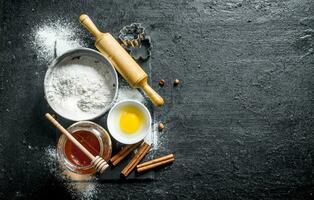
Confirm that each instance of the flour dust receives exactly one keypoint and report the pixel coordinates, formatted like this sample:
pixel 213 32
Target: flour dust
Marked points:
pixel 86 190
pixel 52 39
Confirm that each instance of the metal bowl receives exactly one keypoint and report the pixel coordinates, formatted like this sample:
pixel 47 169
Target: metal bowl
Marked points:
pixel 74 56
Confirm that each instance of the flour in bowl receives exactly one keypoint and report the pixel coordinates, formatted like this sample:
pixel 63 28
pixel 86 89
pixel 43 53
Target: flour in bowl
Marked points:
pixel 80 88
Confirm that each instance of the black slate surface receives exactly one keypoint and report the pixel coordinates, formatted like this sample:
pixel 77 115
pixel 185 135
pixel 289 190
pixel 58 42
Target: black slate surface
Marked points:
pixel 240 125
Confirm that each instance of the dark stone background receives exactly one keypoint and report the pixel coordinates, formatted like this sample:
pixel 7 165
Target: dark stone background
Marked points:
pixel 240 125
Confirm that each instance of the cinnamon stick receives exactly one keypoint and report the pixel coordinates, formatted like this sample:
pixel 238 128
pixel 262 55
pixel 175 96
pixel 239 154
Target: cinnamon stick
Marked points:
pixel 155 163
pixel 136 159
pixel 157 160
pixel 123 153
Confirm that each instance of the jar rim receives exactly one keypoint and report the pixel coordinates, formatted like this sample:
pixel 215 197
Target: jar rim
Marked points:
pixel 90 127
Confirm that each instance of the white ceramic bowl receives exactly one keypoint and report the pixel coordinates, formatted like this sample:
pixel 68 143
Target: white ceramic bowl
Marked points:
pixel 114 119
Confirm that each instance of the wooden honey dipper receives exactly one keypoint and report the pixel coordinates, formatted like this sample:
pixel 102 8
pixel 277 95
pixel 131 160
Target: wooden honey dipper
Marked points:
pixel 98 162
pixel 121 60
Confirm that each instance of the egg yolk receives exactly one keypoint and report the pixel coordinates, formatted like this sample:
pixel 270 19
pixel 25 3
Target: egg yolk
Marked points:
pixel 131 119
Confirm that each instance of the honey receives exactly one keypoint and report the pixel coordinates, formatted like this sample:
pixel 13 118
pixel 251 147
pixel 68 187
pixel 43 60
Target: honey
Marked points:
pixel 75 155
pixel 73 161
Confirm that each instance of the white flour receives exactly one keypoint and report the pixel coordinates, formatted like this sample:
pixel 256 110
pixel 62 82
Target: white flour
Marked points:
pixel 79 89
pixel 78 190
pixel 153 137
pixel 130 93
pixel 53 39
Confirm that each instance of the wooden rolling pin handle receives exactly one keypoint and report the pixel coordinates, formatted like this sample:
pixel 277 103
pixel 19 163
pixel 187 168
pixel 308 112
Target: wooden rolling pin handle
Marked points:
pixel 89 25
pixel 152 94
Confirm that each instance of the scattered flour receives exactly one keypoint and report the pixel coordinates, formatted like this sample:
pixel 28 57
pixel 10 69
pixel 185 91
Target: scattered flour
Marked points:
pixel 84 190
pixel 52 39
pixel 130 93
pixel 51 159
pixel 153 137
pixel 79 190
pixel 79 89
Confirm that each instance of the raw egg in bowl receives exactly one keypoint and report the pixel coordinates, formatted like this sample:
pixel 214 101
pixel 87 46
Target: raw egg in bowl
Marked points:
pixel 129 121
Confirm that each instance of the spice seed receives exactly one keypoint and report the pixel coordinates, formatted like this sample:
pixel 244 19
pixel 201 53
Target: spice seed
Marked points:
pixel 176 82
pixel 161 126
pixel 161 82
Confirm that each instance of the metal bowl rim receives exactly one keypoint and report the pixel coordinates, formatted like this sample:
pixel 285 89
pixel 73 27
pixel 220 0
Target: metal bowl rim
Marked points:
pixel 60 58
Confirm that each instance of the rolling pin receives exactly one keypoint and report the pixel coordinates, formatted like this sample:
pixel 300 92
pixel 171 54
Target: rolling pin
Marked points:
pixel 121 60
